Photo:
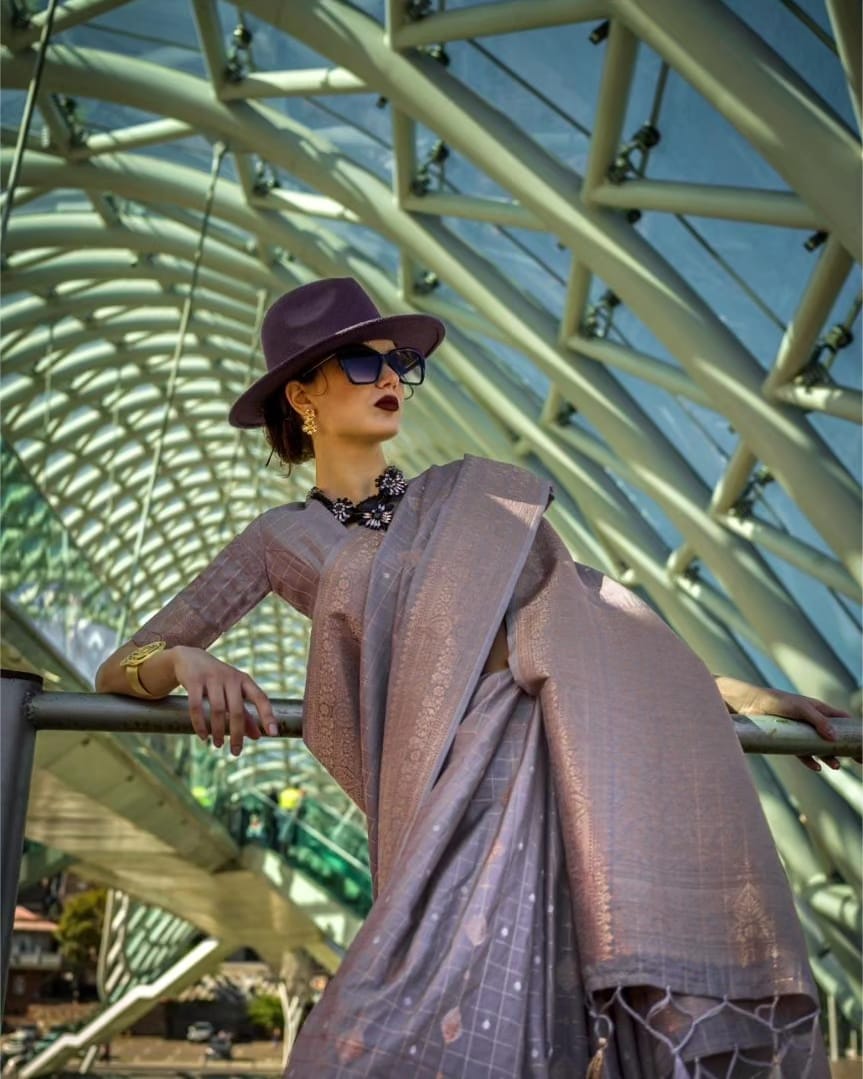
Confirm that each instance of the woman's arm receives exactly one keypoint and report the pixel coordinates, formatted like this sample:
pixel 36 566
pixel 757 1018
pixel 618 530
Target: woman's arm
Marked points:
pixel 157 673
pixel 230 586
pixel 746 699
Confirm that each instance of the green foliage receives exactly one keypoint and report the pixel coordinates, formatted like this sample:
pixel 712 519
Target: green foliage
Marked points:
pixel 80 927
pixel 265 1011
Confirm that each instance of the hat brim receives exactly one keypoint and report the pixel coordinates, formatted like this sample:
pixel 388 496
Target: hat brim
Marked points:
pixel 422 332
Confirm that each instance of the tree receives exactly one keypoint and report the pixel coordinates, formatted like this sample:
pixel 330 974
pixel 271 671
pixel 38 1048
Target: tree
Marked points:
pixel 80 928
pixel 265 1011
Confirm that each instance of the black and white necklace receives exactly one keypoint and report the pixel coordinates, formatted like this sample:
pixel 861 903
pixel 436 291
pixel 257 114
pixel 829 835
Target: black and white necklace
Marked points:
pixel 376 511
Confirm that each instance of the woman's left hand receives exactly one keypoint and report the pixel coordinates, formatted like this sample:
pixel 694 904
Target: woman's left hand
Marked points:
pixel 746 699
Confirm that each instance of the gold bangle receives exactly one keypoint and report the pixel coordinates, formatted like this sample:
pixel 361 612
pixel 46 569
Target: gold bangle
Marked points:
pixel 135 659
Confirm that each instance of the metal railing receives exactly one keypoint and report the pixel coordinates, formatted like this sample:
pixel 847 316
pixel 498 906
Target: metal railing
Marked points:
pixel 25 709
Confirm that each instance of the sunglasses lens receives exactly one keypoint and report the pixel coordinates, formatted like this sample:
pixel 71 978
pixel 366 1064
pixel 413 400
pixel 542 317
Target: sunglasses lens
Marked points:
pixel 408 364
pixel 362 366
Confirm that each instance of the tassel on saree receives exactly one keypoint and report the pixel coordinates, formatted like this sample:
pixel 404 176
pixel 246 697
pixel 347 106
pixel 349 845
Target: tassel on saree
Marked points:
pixel 597 1061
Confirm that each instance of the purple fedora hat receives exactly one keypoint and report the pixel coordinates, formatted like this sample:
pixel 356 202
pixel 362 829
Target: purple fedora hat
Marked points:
pixel 308 323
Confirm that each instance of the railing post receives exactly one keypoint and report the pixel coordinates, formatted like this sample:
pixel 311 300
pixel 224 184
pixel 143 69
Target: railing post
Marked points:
pixel 16 766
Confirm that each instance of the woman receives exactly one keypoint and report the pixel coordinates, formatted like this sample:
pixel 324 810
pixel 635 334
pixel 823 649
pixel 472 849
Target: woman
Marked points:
pixel 562 887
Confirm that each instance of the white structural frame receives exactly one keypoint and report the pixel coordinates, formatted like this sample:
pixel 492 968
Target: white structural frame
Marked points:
pixel 87 348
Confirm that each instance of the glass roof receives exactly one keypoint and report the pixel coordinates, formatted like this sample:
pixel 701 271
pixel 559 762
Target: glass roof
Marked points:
pixel 650 275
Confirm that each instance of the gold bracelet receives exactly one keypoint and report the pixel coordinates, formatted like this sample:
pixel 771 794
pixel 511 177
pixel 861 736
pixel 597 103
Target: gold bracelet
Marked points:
pixel 135 659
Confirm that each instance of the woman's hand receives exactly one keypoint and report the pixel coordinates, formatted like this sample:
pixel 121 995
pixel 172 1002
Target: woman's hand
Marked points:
pixel 227 690
pixel 746 699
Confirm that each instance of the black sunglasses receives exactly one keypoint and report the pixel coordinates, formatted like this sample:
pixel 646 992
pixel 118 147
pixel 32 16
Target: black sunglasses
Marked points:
pixel 363 366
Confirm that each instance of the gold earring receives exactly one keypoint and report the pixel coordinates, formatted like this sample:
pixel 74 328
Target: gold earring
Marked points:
pixel 310 421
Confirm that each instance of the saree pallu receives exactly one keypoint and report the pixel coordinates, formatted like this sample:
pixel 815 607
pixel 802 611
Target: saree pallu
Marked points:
pixel 661 917
pixel 572 871
pixel 466 963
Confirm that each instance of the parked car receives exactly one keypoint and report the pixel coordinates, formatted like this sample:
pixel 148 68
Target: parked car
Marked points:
pixel 45 1041
pixel 201 1031
pixel 221 1047
pixel 18 1044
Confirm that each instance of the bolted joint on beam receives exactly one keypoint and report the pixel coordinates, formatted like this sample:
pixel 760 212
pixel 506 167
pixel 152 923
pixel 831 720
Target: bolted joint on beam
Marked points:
pixel 239 61
pixel 632 157
pixel 425 283
pixel 417 10
pixel 599 316
pixel 435 52
pixel 266 178
pixel 815 240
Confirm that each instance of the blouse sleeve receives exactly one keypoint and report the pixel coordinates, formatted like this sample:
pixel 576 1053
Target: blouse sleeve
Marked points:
pixel 230 586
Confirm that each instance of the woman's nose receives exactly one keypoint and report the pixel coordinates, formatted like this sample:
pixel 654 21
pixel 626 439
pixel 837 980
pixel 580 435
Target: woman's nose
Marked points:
pixel 388 376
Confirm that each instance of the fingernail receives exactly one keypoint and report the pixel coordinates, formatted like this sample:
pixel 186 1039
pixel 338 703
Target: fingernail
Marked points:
pixel 272 728
pixel 831 733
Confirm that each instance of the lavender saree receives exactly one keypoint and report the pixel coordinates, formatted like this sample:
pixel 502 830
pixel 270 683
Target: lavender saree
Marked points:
pixel 562 888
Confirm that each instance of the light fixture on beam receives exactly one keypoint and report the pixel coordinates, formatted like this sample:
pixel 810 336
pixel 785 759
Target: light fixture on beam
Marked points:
pixel 416 10
pixel 642 142
pixel 813 242
pixel 266 178
pixel 239 59
pixel 599 316
pixel 435 159
pixel 72 118
pixel 437 53
pixel 817 370
pixel 426 283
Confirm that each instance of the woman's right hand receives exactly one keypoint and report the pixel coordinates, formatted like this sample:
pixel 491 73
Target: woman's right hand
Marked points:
pixel 227 690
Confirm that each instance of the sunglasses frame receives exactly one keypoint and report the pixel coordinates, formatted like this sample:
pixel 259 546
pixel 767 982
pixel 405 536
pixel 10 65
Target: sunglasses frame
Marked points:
pixel 382 358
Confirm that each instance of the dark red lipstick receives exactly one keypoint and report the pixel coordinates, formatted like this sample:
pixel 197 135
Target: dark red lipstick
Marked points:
pixel 389 402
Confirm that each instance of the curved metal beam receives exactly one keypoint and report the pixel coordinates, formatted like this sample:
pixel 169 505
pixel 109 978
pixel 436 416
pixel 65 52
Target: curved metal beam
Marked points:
pixel 764 98
pixel 756 592
pixel 665 302
pixel 634 526
pixel 110 285
pixel 504 17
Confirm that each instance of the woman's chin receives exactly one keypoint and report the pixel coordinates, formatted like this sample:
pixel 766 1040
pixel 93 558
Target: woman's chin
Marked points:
pixel 388 424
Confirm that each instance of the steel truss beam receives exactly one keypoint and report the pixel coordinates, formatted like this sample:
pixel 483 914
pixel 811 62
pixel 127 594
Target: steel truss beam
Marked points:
pixel 782 208
pixel 510 302
pixel 447 418
pixel 634 527
pixel 312 81
pixel 481 20
pixel 676 314
pixel 639 545
pixel 846 21
pixel 71 13
pixel 764 98
pixel 629 524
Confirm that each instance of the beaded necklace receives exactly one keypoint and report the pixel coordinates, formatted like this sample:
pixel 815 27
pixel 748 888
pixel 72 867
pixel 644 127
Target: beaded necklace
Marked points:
pixel 376 511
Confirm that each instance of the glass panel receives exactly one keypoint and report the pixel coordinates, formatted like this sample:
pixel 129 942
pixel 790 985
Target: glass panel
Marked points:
pixel 773 503
pixel 138 29
pixel 814 58
pixel 12 108
pixel 698 144
pixel 648 509
pixel 48 576
pixel 548 79
pixel 824 611
pixel 532 261
pixel 744 312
